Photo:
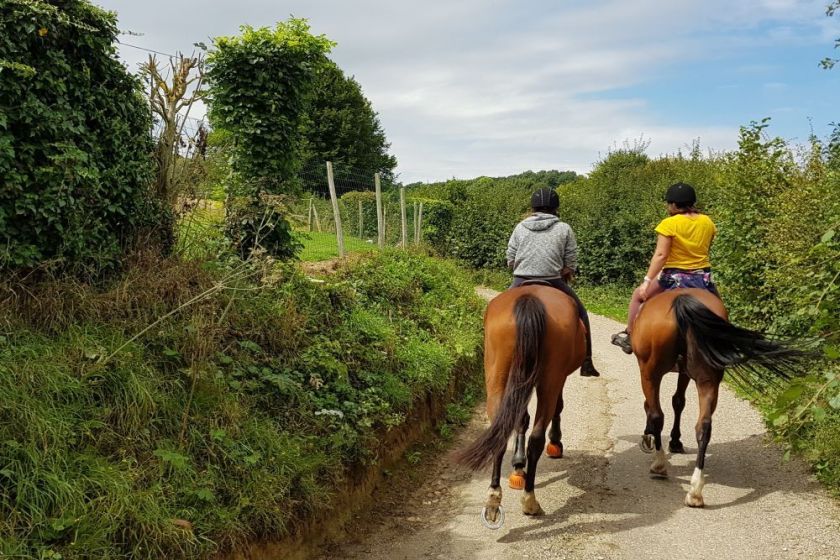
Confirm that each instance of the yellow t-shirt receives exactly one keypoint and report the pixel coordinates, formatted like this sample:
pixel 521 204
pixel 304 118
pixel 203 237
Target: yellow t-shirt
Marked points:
pixel 692 238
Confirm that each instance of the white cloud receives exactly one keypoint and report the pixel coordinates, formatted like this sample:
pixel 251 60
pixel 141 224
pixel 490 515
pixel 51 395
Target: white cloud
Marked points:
pixel 482 87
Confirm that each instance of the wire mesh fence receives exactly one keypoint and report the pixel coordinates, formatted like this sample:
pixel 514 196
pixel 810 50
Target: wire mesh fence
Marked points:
pixel 342 211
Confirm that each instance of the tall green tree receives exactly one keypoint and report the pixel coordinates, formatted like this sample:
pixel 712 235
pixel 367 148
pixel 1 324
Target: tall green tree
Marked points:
pixel 341 126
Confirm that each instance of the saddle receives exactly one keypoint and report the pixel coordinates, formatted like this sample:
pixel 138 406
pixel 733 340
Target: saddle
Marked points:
pixel 537 282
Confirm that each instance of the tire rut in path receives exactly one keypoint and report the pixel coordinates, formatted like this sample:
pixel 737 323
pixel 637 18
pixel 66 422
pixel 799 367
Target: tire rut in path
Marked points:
pixel 599 500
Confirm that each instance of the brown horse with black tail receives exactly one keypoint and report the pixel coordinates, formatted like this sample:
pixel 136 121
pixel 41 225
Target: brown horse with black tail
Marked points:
pixel 687 330
pixel 533 339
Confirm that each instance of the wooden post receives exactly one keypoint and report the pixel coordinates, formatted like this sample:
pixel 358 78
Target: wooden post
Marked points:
pixel 414 221
pixel 403 231
pixel 309 216
pixel 317 219
pixel 384 222
pixel 361 221
pixel 420 224
pixel 380 213
pixel 339 234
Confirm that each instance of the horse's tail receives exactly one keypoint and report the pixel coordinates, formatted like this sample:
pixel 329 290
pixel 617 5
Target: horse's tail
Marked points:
pixel 524 370
pixel 747 354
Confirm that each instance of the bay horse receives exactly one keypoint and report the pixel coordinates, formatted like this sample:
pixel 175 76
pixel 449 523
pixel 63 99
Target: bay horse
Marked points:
pixel 533 338
pixel 687 330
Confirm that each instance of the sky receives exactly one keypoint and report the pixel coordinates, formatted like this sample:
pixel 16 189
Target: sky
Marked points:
pixel 496 87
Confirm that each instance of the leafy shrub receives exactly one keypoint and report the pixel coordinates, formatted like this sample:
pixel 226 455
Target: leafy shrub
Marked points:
pixel 251 224
pixel 614 210
pixel 260 83
pixel 259 86
pixel 483 214
pixel 74 140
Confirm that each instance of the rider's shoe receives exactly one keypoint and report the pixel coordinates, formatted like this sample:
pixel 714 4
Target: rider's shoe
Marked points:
pixel 622 340
pixel 587 369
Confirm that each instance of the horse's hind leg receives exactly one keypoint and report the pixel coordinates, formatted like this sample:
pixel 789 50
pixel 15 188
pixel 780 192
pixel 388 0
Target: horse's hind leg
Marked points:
pixel 536 442
pixel 492 507
pixel 517 478
pixel 554 449
pixel 678 401
pixel 707 392
pixel 651 381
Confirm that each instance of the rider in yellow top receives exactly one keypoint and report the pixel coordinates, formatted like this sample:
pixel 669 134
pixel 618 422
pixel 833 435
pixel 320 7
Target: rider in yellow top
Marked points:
pixel 681 258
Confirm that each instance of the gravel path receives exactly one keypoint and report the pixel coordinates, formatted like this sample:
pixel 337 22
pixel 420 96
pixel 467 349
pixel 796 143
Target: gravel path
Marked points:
pixel 599 501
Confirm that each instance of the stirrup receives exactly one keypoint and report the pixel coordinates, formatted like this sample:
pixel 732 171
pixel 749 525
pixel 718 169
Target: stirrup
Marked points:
pixel 622 340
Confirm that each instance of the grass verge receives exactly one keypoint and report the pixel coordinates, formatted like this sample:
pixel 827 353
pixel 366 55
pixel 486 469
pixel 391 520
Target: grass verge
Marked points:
pixel 251 394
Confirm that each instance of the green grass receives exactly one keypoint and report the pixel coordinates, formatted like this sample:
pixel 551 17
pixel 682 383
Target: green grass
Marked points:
pixel 609 300
pixel 322 246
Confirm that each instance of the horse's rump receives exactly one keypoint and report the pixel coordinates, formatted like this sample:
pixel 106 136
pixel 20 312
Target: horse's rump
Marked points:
pixel 528 331
pixel 670 322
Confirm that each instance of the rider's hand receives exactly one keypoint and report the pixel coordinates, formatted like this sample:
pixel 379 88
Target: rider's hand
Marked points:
pixel 642 289
pixel 567 274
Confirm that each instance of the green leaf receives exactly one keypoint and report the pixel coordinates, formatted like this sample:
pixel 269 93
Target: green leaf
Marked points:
pixel 218 434
pixel 789 395
pixel 827 236
pixel 780 420
pixel 205 495
pixel 835 402
pixel 818 413
pixel 173 458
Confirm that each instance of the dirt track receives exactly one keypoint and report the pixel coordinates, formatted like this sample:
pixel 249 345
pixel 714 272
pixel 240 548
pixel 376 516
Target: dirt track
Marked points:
pixel 599 500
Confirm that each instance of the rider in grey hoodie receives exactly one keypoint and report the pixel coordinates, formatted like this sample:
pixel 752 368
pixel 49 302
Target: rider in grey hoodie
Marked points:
pixel 542 247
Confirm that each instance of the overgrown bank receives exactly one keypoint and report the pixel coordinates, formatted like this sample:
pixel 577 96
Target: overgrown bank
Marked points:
pixel 231 421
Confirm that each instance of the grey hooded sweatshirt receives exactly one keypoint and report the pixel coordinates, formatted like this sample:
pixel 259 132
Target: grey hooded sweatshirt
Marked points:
pixel 542 246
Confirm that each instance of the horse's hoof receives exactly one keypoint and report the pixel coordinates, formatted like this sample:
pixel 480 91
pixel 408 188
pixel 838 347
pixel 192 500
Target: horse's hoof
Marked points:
pixel 493 517
pixel 658 474
pixel 676 447
pixel 694 501
pixel 646 444
pixel 516 481
pixel 530 505
pixel 554 450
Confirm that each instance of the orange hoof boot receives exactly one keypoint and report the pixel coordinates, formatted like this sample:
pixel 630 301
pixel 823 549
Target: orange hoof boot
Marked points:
pixel 554 450
pixel 516 480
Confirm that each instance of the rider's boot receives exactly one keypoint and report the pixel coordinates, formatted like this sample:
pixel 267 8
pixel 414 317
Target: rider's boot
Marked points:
pixel 587 369
pixel 622 340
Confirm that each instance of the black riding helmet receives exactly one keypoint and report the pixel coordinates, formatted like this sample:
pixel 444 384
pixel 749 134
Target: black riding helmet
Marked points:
pixel 681 194
pixel 545 198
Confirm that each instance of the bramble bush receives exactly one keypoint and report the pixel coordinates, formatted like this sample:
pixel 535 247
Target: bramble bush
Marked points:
pixel 75 140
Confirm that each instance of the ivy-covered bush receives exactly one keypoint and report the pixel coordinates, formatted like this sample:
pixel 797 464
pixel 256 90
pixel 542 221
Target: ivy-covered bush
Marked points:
pixel 259 87
pixel 74 139
pixel 260 83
